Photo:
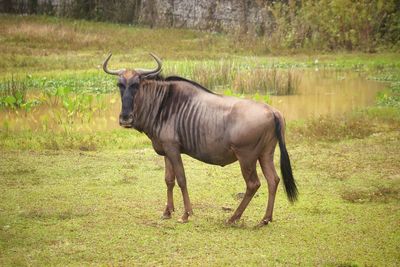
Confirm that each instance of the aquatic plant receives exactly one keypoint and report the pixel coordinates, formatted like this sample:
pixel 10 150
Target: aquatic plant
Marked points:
pixel 13 95
pixel 390 97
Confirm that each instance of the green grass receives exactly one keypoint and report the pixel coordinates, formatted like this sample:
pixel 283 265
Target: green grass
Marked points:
pixel 72 195
pixel 70 138
pixel 32 44
pixel 76 208
pixel 48 53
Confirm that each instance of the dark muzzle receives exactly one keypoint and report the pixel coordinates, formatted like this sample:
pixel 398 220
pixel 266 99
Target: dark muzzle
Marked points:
pixel 126 120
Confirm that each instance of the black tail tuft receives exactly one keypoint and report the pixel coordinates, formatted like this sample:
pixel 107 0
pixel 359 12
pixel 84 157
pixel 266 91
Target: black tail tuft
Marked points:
pixel 286 168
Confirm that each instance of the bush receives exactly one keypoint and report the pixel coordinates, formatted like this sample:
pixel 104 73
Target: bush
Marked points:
pixel 333 25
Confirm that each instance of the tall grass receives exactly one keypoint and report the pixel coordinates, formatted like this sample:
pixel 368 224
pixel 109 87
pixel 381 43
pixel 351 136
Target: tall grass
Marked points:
pixel 268 81
pixel 243 77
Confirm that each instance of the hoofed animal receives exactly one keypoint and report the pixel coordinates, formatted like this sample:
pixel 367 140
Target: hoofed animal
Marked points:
pixel 181 116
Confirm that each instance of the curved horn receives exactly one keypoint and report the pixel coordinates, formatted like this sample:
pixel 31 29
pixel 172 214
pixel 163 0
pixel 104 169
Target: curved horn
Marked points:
pixel 156 71
pixel 112 72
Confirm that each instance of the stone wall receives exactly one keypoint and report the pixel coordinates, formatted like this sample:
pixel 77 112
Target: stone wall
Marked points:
pixel 243 16
pixel 216 15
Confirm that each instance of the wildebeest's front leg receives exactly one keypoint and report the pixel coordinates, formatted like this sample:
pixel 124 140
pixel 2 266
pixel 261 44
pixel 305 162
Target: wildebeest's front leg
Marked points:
pixel 175 158
pixel 170 181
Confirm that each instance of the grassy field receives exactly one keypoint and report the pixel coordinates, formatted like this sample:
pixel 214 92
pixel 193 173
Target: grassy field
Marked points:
pixel 73 196
pixel 36 44
pixel 73 207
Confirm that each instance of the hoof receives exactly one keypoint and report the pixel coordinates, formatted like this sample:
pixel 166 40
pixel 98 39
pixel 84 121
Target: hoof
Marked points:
pixel 231 222
pixel 183 220
pixel 166 216
pixel 185 217
pixel 264 222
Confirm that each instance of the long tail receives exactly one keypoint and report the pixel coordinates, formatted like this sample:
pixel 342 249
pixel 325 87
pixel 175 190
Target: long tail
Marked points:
pixel 286 168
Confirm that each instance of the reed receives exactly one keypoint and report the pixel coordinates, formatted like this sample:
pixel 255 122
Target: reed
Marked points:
pixel 240 76
pixel 268 81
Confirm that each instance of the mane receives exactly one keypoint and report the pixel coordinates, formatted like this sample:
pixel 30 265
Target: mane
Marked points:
pixel 177 78
pixel 160 99
pixel 159 77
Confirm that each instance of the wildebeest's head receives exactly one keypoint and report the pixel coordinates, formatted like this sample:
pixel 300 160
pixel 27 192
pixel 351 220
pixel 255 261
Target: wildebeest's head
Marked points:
pixel 128 83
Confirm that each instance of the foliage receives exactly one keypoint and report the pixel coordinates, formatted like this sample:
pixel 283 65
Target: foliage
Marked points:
pixel 101 10
pixel 95 83
pixel 391 96
pixel 333 25
pixel 13 95
pixel 79 105
pixel 75 102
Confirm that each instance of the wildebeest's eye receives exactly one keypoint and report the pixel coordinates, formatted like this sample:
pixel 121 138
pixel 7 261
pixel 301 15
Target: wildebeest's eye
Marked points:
pixel 120 85
pixel 133 86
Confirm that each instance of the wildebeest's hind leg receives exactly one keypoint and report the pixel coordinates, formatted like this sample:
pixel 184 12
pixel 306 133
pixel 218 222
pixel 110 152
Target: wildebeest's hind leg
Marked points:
pixel 249 172
pixel 170 181
pixel 268 169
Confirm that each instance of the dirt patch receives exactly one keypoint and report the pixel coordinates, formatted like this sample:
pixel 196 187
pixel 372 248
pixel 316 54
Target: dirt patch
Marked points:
pixel 44 214
pixel 380 194
pixel 127 179
pixel 18 171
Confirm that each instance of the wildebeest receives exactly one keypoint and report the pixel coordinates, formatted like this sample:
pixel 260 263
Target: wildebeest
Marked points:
pixel 181 116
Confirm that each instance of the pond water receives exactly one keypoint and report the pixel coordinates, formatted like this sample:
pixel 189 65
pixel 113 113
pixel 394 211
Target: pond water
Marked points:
pixel 318 93
pixel 328 93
